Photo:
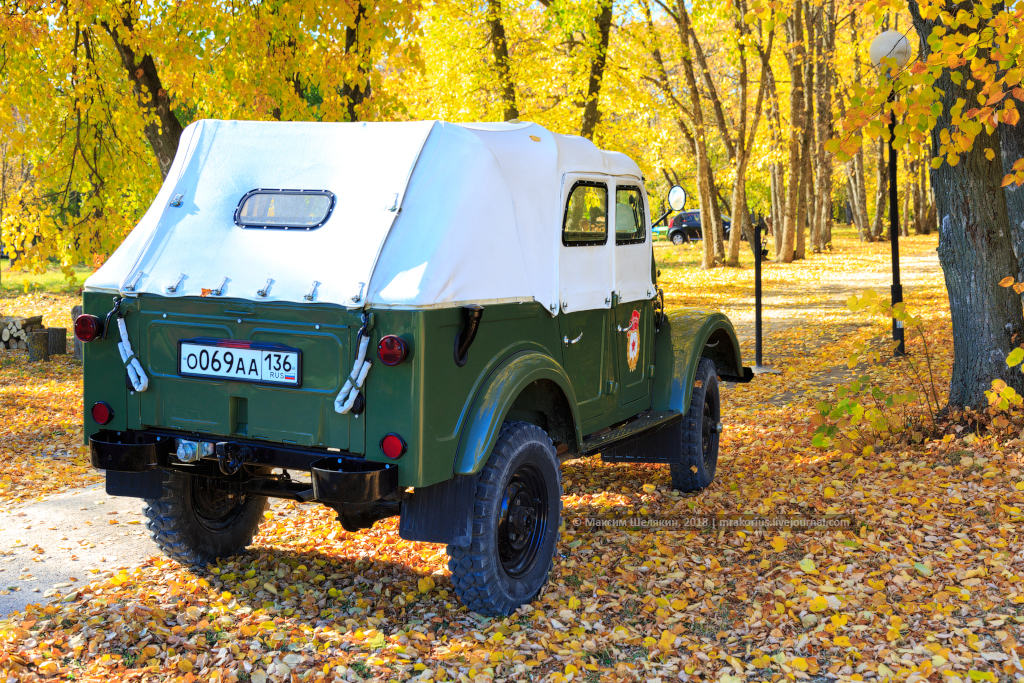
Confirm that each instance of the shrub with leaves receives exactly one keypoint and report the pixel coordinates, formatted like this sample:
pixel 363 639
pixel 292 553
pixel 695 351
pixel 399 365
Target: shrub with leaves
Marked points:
pixel 867 414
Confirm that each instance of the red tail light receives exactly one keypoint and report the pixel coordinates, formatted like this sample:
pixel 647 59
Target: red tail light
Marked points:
pixel 392 350
pixel 101 412
pixel 88 327
pixel 393 446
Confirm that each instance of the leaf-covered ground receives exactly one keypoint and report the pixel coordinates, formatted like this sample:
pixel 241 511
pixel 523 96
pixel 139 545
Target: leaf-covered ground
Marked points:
pixel 925 585
pixel 41 449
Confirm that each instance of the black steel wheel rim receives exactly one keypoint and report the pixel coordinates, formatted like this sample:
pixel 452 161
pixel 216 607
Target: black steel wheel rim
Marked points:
pixel 709 433
pixel 216 508
pixel 522 520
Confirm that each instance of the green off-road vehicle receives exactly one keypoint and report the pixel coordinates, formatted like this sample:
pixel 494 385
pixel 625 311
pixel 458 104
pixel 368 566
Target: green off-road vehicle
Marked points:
pixel 421 318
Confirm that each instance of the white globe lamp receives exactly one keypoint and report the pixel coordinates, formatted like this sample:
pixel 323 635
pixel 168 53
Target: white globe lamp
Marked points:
pixel 892 44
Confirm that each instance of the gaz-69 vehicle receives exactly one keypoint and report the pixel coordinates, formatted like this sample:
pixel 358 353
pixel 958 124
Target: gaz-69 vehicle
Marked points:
pixel 419 318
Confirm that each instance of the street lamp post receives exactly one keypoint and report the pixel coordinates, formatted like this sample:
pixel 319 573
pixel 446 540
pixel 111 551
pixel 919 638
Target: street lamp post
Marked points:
pixel 893 44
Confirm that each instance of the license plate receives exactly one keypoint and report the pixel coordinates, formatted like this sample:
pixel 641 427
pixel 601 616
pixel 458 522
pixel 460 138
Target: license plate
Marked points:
pixel 240 360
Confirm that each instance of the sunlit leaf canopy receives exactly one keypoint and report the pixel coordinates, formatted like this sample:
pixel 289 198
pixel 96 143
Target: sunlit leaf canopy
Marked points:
pixel 96 93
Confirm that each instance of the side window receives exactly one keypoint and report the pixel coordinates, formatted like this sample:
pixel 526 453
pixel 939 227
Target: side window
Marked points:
pixel 629 216
pixel 586 215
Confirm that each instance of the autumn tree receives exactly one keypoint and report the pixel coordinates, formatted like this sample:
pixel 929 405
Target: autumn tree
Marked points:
pixel 108 87
pixel 953 101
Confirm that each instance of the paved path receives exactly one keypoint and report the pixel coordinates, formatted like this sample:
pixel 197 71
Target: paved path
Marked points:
pixel 68 539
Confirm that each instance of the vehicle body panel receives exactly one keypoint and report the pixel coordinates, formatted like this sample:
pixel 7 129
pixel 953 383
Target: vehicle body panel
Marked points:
pixel 492 405
pixel 634 369
pixel 679 346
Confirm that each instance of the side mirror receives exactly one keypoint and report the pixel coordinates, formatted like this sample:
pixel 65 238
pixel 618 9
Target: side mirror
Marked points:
pixel 677 198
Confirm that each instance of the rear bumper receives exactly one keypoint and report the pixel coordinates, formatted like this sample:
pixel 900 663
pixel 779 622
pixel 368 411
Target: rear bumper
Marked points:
pixel 336 478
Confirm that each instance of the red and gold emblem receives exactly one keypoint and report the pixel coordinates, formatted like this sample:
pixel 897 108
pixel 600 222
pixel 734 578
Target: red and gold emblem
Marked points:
pixel 633 341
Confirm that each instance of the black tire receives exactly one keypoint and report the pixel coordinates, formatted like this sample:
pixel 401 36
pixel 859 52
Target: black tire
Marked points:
pixel 195 524
pixel 678 238
pixel 696 467
pixel 498 572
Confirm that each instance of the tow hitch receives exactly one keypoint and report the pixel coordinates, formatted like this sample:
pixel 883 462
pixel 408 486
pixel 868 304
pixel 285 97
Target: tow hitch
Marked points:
pixel 231 456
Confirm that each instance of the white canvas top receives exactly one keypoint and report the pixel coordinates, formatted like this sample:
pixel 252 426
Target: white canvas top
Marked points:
pixel 427 214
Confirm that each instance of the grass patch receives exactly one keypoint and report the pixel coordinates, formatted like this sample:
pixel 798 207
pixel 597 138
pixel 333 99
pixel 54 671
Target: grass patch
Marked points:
pixel 52 280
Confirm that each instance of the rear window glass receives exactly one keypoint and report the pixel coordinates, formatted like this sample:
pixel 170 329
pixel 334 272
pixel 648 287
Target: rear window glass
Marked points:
pixel 629 216
pixel 586 215
pixel 284 209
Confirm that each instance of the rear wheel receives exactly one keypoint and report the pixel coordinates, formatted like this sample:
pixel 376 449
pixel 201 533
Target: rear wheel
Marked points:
pixel 678 238
pixel 516 517
pixel 195 521
pixel 701 427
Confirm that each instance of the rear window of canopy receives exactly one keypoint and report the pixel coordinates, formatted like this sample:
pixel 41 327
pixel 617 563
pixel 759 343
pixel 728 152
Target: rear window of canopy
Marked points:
pixel 284 209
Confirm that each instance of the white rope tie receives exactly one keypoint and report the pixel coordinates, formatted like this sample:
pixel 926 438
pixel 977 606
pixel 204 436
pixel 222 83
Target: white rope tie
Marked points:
pixel 131 362
pixel 350 392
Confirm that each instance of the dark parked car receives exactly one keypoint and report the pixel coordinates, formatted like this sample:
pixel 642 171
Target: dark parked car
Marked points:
pixel 686 226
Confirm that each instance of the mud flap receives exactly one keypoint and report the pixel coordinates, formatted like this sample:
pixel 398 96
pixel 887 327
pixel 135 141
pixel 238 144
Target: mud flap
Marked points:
pixel 661 445
pixel 440 513
pixel 135 484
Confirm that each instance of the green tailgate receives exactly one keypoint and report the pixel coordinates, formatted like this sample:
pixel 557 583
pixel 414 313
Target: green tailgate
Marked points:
pixel 301 415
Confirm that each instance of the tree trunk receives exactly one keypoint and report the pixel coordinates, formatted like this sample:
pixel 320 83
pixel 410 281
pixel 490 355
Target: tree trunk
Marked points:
pixel 1011 139
pixel 355 95
pixel 927 203
pixel 717 225
pixel 499 48
pixel 806 202
pixel 591 112
pixel 918 195
pixel 775 173
pixel 38 346
pixel 860 210
pixel 704 177
pixel 823 167
pixel 807 143
pixel 164 133
pixel 975 250
pixel 855 186
pixel 795 57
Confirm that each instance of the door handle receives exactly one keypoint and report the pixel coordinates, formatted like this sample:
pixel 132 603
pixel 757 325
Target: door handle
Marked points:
pixel 620 328
pixel 568 341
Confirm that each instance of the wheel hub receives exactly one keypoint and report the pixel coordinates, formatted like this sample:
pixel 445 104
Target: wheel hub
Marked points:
pixel 522 520
pixel 215 507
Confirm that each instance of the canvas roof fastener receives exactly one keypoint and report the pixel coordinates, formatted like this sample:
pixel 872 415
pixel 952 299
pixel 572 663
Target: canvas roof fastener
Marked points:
pixel 171 289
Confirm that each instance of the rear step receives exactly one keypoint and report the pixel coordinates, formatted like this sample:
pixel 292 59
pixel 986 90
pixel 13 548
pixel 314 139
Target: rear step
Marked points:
pixel 648 438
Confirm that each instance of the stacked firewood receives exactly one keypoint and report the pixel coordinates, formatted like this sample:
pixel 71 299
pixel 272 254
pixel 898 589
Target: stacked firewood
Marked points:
pixel 29 334
pixel 14 332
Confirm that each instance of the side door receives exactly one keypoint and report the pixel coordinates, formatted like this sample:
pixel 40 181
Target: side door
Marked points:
pixel 585 285
pixel 634 310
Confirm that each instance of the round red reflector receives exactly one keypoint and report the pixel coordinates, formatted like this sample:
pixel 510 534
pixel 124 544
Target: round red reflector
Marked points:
pixel 102 412
pixel 88 327
pixel 393 446
pixel 392 350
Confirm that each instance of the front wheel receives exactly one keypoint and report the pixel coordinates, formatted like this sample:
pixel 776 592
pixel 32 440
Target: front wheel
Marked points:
pixel 195 521
pixel 701 427
pixel 516 517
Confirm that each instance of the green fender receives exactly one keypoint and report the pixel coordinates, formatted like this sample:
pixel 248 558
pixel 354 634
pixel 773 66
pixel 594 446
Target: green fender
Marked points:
pixel 495 399
pixel 686 337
